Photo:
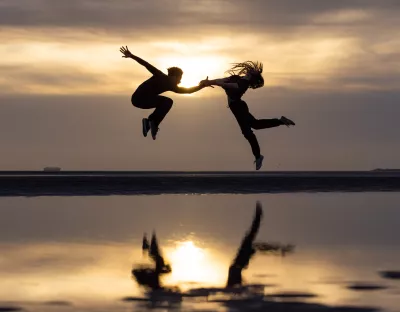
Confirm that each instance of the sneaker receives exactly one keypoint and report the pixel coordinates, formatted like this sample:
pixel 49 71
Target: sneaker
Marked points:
pixel 259 162
pixel 287 122
pixel 145 126
pixel 154 129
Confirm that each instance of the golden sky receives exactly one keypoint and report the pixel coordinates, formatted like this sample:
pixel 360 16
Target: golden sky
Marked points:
pixel 72 48
pixel 326 49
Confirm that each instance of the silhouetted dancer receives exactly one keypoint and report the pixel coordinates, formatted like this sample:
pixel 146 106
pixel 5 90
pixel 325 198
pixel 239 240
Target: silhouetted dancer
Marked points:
pixel 147 95
pixel 243 76
pixel 245 252
pixel 150 277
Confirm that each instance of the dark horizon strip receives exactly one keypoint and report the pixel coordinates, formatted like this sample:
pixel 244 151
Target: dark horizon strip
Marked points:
pixel 375 172
pixel 148 184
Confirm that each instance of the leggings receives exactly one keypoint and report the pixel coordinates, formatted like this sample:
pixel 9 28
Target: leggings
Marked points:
pixel 247 122
pixel 162 105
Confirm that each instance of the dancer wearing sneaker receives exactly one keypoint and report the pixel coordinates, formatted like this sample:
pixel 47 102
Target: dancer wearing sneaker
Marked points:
pixel 147 95
pixel 243 76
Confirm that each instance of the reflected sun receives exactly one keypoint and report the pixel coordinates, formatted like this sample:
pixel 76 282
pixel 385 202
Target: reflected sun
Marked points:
pixel 191 264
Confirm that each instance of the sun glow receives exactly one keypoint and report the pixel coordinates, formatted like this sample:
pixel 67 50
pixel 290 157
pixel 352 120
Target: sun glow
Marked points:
pixel 195 68
pixel 192 264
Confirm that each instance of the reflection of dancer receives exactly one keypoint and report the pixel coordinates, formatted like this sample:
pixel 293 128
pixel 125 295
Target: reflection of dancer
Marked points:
pixel 145 244
pixel 245 252
pixel 243 76
pixel 155 254
pixel 150 277
pixel 147 95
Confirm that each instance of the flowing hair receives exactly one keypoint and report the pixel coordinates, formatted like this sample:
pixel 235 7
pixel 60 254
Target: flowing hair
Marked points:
pixel 255 69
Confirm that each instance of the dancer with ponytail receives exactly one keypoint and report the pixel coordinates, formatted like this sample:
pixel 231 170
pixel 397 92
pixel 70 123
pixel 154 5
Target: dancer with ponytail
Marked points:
pixel 243 76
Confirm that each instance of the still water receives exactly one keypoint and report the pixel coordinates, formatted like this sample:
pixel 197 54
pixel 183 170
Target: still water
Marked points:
pixel 77 253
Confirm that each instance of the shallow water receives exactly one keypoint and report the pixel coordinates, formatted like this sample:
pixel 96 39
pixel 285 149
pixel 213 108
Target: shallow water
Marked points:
pixel 76 253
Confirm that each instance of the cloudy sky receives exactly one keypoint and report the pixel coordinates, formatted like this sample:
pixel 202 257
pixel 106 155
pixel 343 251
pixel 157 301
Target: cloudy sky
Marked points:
pixel 331 66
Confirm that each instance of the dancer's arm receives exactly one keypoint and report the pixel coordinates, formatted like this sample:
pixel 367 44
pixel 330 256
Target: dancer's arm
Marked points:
pixel 127 54
pixel 192 89
pixel 221 82
pixel 183 90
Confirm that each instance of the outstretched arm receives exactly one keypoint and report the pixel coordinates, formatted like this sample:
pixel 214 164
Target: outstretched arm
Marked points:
pixel 192 89
pixel 221 82
pixel 183 90
pixel 127 54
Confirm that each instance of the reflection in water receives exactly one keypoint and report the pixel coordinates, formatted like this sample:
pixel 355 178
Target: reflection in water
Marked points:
pixel 248 248
pixel 188 253
pixel 148 276
pixel 63 256
pixel 186 258
pixel 390 274
pixel 245 252
pixel 366 287
pixel 189 263
pixel 251 294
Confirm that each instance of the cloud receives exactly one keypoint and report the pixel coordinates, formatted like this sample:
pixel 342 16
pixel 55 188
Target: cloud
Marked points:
pixel 311 63
pixel 153 15
pixel 59 79
pixel 306 44
pixel 50 75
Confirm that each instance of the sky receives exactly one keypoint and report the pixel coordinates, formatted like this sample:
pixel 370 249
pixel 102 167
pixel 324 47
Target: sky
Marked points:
pixel 331 66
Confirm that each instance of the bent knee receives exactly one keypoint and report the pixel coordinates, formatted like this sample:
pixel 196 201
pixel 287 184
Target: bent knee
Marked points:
pixel 135 100
pixel 169 102
pixel 247 133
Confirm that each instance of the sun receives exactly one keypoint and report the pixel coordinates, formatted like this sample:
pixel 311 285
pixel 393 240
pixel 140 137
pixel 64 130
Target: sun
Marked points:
pixel 195 68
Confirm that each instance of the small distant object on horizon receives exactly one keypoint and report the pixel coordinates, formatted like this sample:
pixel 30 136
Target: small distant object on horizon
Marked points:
pixel 52 169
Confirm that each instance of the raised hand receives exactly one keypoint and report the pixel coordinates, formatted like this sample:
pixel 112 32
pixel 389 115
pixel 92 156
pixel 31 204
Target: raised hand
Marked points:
pixel 125 51
pixel 205 83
